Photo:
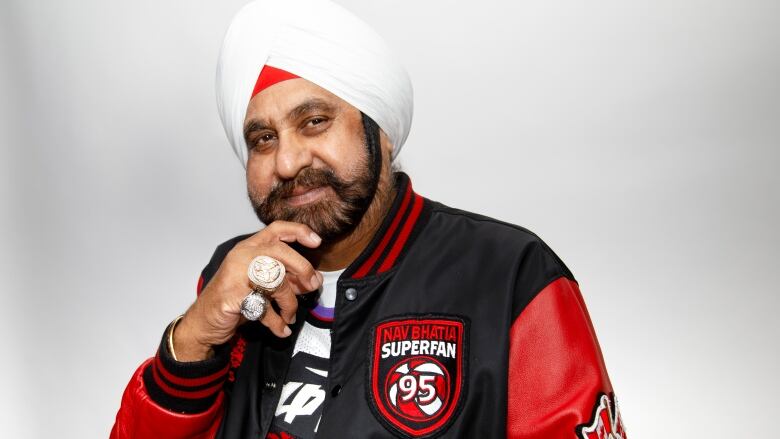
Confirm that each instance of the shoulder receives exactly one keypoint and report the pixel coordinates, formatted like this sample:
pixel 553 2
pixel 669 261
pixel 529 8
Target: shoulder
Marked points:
pixel 523 258
pixel 480 230
pixel 483 226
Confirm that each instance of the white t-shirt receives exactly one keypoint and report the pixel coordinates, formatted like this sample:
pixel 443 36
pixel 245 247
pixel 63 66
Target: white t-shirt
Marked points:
pixel 300 405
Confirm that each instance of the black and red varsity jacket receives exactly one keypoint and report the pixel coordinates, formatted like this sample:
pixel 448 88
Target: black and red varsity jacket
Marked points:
pixel 449 324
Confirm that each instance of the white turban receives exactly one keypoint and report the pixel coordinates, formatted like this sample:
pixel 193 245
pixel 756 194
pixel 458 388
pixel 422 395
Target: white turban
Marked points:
pixel 323 43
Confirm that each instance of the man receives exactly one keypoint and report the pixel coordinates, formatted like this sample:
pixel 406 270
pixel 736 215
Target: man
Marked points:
pixel 363 309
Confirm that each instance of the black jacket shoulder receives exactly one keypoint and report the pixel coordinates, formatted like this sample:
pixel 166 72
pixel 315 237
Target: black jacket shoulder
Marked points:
pixel 502 244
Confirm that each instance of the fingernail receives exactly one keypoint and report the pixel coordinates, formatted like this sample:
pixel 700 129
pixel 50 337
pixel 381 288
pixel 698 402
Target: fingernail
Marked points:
pixel 315 281
pixel 292 320
pixel 319 276
pixel 287 331
pixel 315 237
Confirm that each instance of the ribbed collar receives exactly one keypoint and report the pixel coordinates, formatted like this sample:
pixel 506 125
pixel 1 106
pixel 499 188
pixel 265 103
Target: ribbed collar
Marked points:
pixel 407 215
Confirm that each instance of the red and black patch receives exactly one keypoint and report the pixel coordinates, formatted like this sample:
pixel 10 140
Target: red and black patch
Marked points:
pixel 417 373
pixel 605 422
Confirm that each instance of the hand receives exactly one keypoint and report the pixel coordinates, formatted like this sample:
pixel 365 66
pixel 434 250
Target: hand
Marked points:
pixel 215 315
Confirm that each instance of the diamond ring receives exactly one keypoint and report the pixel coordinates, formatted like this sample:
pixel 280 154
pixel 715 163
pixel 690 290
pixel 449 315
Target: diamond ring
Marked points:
pixel 254 306
pixel 266 273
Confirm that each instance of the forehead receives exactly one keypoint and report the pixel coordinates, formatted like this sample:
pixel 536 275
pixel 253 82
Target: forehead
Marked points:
pixel 276 101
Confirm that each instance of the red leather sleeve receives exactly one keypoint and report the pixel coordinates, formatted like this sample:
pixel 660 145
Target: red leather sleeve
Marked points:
pixel 558 386
pixel 139 417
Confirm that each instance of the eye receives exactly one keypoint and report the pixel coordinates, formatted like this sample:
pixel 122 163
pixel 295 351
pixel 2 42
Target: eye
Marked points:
pixel 316 120
pixel 315 126
pixel 261 140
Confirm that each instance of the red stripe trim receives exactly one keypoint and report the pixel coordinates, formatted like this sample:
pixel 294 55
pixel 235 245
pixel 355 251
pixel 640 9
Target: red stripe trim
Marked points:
pixel 189 382
pixel 197 394
pixel 403 236
pixel 366 267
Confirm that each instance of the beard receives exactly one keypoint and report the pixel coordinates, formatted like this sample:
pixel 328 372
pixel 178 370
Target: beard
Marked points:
pixel 330 219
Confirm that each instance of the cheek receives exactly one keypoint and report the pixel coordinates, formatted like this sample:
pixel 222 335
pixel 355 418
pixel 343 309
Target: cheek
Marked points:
pixel 259 178
pixel 342 151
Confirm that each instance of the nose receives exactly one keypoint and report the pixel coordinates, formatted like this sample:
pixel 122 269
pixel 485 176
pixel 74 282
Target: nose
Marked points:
pixel 291 156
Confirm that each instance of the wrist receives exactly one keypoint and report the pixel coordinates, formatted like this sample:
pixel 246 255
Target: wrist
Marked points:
pixel 186 384
pixel 185 346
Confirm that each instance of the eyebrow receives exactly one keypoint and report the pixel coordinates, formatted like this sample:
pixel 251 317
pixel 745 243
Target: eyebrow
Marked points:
pixel 304 107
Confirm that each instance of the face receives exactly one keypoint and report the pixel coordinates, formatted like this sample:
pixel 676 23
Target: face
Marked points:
pixel 308 161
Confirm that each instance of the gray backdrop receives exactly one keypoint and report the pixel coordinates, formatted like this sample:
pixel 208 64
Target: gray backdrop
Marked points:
pixel 638 138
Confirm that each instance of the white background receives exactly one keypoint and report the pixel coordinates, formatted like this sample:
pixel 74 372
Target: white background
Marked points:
pixel 638 138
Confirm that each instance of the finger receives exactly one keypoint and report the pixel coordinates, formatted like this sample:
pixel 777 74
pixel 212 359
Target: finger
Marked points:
pixel 296 265
pixel 274 322
pixel 286 231
pixel 287 302
pixel 298 286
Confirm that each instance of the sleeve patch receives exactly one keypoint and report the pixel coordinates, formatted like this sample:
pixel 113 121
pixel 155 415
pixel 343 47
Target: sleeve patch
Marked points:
pixel 605 423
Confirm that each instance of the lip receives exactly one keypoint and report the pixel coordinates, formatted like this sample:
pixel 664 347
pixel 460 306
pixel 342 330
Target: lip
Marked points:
pixel 303 196
pixel 300 190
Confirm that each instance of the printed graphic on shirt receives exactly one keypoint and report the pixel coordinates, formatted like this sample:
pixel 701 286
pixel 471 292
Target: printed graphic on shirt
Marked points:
pixel 606 422
pixel 300 405
pixel 417 373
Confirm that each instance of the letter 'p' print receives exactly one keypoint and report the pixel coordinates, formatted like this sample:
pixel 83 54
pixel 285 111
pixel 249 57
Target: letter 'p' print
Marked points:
pixel 417 373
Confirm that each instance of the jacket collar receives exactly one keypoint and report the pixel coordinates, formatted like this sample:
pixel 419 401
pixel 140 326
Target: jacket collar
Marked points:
pixel 407 215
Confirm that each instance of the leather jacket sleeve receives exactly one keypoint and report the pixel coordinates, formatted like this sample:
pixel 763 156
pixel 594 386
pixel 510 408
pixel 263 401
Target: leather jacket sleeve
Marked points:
pixel 167 399
pixel 141 417
pixel 558 384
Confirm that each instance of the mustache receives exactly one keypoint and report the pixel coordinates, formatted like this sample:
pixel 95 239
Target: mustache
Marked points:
pixel 309 178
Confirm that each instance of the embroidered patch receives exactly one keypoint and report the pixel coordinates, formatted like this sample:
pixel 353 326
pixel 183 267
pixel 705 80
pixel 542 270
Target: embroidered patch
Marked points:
pixel 605 423
pixel 417 373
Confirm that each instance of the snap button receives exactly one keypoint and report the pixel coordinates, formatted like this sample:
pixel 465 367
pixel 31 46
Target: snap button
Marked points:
pixel 336 390
pixel 350 294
